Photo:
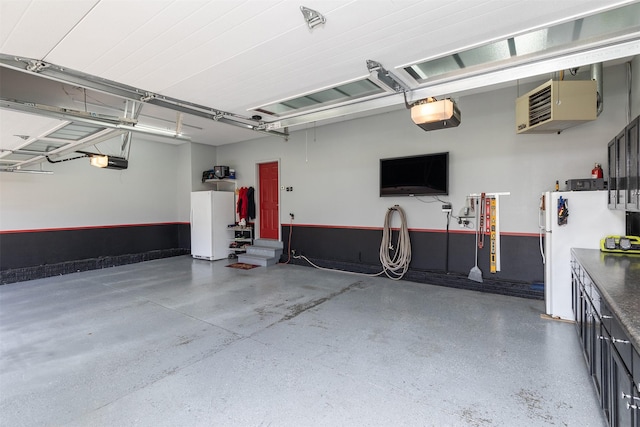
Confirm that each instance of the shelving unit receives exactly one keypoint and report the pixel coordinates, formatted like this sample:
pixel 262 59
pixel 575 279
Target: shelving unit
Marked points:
pixel 242 237
pixel 229 184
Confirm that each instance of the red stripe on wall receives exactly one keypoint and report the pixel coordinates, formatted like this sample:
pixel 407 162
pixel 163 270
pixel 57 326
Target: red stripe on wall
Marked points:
pixel 94 227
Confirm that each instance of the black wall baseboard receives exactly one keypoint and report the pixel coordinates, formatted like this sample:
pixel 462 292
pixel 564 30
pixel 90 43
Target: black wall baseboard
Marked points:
pixel 35 254
pixel 357 250
pixel 438 278
pixel 50 270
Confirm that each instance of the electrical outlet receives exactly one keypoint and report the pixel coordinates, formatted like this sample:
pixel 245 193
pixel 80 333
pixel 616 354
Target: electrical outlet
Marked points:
pixel 292 216
pixel 446 207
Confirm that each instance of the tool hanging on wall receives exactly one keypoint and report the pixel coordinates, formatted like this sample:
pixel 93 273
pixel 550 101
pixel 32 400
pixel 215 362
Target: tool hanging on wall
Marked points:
pixel 475 273
pixel 487 221
pixel 493 237
pixel 491 204
pixel 480 227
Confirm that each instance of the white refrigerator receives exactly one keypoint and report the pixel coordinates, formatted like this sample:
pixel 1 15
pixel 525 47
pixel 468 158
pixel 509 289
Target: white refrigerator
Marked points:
pixel 211 214
pixel 589 220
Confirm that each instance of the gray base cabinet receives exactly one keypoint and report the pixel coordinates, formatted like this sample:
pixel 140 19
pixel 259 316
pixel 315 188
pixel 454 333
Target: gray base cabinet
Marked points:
pixel 612 359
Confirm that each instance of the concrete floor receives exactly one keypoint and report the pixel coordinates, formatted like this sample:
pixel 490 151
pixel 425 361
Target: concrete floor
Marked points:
pixel 181 342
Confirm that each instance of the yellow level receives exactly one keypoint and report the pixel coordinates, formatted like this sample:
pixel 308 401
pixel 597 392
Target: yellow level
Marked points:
pixel 493 264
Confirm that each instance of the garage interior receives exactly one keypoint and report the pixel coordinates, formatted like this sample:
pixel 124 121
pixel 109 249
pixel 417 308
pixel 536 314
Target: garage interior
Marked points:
pixel 107 319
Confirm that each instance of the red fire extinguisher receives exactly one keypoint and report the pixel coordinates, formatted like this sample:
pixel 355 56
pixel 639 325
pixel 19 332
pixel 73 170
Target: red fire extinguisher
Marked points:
pixel 596 172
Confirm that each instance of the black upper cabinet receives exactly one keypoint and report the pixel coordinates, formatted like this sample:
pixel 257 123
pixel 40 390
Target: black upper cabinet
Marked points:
pixel 624 168
pixel 621 173
pixel 633 167
pixel 612 168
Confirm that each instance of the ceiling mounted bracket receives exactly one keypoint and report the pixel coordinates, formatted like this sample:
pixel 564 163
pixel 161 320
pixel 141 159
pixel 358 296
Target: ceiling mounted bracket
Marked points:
pixel 312 18
pixel 384 78
pixel 148 96
pixel 36 66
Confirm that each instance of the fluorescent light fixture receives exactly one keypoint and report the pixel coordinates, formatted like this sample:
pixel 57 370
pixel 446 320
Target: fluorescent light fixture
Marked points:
pixel 108 162
pixel 430 114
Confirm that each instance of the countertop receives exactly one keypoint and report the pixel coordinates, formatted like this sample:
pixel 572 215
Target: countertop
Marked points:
pixel 617 276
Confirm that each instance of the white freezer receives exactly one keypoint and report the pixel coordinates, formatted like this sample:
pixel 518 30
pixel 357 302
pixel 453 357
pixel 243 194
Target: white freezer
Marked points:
pixel 589 221
pixel 211 214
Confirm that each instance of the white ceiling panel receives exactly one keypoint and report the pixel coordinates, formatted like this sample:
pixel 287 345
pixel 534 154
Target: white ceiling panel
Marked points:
pixel 148 40
pixel 219 41
pixel 232 55
pixel 167 41
pixel 101 30
pixel 33 28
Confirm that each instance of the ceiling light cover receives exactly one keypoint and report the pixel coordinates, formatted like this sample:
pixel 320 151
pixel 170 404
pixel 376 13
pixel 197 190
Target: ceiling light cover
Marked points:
pixel 432 115
pixel 108 162
pixel 99 161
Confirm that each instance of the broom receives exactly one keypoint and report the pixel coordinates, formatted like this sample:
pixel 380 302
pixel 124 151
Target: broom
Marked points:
pixel 476 274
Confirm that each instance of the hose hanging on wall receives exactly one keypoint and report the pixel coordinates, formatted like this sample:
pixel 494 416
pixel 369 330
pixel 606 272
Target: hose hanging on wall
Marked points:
pixel 395 266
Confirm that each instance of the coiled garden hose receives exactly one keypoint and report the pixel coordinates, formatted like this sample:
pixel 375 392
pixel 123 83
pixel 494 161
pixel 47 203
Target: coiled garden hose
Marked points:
pixel 395 260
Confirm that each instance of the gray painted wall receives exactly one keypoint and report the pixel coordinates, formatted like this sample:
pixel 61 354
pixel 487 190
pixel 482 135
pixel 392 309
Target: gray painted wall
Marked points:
pixel 333 169
pixel 79 195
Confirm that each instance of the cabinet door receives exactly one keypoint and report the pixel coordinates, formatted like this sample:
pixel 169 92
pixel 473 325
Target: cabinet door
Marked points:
pixel 596 351
pixel 612 177
pixel 587 332
pixel 636 382
pixel 622 410
pixel 621 168
pixel 634 407
pixel 632 165
pixel 576 298
pixel 621 342
pixel 597 357
pixel 581 314
pixel 605 372
pixel 636 368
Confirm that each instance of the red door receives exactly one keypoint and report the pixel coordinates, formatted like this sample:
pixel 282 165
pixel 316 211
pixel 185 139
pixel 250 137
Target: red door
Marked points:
pixel 269 218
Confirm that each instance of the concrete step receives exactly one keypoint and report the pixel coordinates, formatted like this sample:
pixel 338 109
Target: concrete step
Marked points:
pixel 269 243
pixel 264 251
pixel 262 260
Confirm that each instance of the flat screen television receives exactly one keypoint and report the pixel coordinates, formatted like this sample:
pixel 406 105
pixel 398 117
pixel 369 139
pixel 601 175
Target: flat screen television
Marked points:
pixel 423 175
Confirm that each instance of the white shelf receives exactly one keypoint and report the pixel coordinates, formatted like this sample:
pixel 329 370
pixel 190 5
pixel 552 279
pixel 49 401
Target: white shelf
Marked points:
pixel 216 182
